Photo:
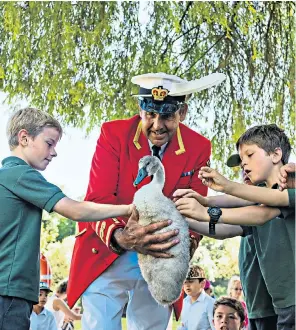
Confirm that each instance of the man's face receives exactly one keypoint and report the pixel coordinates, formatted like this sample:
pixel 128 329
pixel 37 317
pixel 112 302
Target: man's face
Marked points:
pixel 160 128
pixel 226 318
pixel 194 287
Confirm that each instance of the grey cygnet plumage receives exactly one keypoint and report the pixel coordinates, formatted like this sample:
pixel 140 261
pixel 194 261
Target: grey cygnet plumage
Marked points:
pixel 165 277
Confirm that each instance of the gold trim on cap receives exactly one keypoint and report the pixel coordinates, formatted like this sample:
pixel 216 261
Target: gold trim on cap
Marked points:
pixel 181 149
pixel 137 135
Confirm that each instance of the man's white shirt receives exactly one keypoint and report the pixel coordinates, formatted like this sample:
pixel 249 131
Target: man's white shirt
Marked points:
pixel 161 151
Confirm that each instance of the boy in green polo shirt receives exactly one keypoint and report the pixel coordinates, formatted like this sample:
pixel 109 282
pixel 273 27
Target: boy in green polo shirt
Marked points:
pixel 263 150
pixel 24 193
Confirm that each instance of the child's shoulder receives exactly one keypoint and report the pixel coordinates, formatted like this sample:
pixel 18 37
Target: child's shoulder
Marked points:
pixel 13 168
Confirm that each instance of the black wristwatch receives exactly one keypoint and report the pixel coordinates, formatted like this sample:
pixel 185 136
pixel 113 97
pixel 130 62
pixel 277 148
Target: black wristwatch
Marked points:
pixel 214 213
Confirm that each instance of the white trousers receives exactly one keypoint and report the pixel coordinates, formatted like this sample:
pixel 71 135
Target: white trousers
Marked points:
pixel 122 283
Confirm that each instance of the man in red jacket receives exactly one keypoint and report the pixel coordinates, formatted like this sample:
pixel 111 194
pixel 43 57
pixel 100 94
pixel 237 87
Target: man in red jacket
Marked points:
pixel 104 268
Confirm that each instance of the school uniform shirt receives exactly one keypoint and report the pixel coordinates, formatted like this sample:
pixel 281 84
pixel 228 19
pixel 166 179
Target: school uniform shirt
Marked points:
pixel 24 193
pixel 43 321
pixel 276 239
pixel 199 314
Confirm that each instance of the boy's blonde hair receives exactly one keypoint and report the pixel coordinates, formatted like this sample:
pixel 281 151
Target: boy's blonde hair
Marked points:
pixel 33 121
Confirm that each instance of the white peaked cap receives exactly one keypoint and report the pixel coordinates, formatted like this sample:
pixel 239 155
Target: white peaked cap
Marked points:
pixel 175 85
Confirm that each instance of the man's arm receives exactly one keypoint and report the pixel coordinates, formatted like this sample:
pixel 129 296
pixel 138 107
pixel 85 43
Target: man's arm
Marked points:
pixel 218 182
pixel 249 215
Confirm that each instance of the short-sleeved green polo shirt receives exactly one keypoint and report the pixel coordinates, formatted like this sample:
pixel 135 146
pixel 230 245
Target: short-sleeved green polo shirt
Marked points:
pixel 24 193
pixel 258 300
pixel 275 248
pixel 288 213
pixel 291 193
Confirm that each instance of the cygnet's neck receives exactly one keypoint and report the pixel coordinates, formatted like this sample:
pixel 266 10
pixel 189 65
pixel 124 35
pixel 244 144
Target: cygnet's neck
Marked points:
pixel 159 177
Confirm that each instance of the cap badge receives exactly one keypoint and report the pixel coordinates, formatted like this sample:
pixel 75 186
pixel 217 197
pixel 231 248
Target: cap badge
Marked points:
pixel 159 93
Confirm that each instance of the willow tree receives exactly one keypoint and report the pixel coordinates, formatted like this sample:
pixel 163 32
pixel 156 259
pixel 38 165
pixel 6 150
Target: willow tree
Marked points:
pixel 75 59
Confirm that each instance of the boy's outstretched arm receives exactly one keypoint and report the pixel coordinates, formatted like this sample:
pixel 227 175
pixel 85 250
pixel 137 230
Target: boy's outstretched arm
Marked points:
pixel 249 215
pixel 222 230
pixel 218 182
pixel 88 211
pixel 219 200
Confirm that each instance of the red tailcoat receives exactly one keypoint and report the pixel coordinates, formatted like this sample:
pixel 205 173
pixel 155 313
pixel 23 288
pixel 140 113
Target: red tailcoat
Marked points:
pixel 114 168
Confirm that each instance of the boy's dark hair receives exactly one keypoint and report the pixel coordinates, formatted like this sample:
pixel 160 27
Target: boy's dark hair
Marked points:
pixel 268 138
pixel 62 287
pixel 233 303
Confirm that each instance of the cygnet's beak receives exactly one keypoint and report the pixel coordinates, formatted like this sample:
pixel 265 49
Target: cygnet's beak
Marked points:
pixel 142 174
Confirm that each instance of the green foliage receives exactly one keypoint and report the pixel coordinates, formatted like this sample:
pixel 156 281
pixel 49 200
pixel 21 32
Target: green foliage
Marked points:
pixel 59 256
pixel 66 227
pixel 49 229
pixel 220 291
pixel 75 59
pixel 57 243
pixel 219 259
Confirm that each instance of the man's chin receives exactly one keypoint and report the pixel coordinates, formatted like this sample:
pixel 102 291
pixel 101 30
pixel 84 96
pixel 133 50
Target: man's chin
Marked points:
pixel 158 142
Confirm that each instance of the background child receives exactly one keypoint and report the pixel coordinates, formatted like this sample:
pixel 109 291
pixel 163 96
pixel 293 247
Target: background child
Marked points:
pixel 41 318
pixel 235 290
pixel 57 305
pixel 197 311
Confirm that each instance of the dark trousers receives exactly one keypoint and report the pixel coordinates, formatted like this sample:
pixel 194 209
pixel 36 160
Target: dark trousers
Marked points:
pixel 264 323
pixel 15 313
pixel 286 318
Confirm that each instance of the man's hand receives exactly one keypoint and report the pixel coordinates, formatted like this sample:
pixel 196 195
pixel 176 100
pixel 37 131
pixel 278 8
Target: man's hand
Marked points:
pixel 287 176
pixel 189 193
pixel 143 239
pixel 213 179
pixel 191 208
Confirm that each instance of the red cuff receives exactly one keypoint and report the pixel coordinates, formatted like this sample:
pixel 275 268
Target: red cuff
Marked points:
pixel 104 229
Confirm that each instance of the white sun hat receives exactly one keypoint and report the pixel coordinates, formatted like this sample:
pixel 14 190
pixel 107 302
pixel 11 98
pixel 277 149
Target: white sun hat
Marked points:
pixel 160 85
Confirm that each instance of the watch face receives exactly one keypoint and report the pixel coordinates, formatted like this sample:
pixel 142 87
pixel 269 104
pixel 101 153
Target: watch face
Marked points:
pixel 215 211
